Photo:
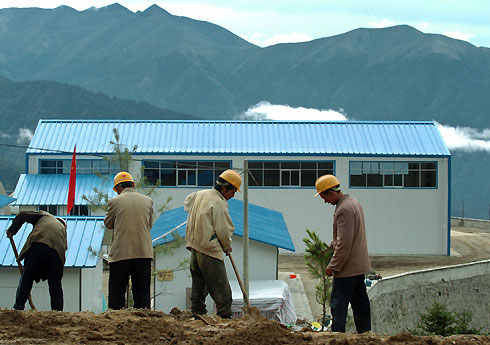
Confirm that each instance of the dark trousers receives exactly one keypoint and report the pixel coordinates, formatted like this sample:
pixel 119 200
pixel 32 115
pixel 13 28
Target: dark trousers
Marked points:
pixel 209 276
pixel 41 262
pixel 350 290
pixel 140 272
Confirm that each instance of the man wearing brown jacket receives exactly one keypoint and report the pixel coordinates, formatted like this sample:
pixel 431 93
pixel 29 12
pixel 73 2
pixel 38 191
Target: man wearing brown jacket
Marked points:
pixel 208 235
pixel 43 255
pixel 350 261
pixel 130 215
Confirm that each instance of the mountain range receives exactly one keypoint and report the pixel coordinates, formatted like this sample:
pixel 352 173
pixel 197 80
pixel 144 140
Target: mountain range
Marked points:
pixel 157 59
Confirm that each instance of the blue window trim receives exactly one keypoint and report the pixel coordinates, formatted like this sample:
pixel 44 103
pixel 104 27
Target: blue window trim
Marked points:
pixel 183 160
pixel 394 187
pixel 293 161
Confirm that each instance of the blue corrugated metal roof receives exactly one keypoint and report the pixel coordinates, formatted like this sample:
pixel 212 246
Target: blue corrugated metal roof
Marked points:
pixel 242 137
pixel 53 189
pixel 85 236
pixel 265 225
pixel 5 200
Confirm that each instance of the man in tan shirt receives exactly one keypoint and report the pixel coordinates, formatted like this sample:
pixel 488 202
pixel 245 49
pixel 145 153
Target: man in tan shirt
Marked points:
pixel 350 261
pixel 208 235
pixel 43 255
pixel 130 215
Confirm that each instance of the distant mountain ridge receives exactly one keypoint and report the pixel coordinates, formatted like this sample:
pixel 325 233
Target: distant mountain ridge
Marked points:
pixel 22 104
pixel 195 67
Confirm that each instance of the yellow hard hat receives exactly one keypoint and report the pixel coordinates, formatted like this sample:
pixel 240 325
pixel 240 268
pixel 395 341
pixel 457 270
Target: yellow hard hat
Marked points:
pixel 326 182
pixel 231 176
pixel 122 177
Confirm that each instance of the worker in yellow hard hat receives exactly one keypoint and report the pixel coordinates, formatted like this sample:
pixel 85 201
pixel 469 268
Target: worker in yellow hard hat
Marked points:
pixel 350 261
pixel 208 235
pixel 130 216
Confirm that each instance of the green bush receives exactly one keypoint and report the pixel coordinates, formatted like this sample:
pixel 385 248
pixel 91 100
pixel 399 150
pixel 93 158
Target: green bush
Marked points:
pixel 439 321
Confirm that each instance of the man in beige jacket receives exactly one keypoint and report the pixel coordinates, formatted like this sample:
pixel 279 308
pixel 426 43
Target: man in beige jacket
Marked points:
pixel 350 261
pixel 43 255
pixel 130 215
pixel 208 235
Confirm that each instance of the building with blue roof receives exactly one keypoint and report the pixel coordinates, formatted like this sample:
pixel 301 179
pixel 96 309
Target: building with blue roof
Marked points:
pixel 267 233
pixel 82 277
pixel 399 171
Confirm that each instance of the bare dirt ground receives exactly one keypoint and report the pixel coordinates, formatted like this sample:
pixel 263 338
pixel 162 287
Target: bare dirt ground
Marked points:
pixel 467 245
pixel 179 327
pixel 152 327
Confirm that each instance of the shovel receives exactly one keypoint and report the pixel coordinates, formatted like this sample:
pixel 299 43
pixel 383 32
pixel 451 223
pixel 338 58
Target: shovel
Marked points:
pixel 247 309
pixel 14 248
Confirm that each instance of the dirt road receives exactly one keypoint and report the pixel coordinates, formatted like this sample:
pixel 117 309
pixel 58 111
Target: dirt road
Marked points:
pixel 467 245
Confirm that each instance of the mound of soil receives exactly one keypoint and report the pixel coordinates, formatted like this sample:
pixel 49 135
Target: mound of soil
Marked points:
pixel 152 327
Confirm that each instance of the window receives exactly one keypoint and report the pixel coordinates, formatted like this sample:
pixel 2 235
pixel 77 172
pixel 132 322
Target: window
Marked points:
pixel 393 174
pixel 53 209
pixel 183 173
pixel 79 210
pixel 84 166
pixel 287 173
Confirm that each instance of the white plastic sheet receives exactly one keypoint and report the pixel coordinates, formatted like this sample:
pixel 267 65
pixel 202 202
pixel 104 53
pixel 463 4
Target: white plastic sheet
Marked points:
pixel 271 297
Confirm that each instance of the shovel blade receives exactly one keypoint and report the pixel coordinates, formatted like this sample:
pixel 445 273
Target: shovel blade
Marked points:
pixel 253 312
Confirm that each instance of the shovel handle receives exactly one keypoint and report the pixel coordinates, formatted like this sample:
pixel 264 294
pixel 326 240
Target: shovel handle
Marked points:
pixel 14 248
pixel 245 295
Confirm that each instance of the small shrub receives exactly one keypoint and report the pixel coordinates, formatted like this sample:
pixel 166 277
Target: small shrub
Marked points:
pixel 439 321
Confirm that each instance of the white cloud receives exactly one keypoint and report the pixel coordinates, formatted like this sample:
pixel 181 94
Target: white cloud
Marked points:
pixel 456 138
pixel 465 138
pixel 383 23
pixel 25 135
pixel 4 135
pixel 458 35
pixel 267 111
pixel 292 37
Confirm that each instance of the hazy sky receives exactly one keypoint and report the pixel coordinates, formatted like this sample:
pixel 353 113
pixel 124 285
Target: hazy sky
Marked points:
pixel 268 22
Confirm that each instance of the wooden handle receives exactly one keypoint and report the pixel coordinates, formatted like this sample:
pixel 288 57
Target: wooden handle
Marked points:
pixel 14 248
pixel 245 295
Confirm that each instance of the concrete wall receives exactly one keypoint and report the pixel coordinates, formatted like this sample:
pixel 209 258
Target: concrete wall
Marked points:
pixel 471 223
pixel 397 301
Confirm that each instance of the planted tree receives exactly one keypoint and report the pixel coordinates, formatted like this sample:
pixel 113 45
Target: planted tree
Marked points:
pixel 317 257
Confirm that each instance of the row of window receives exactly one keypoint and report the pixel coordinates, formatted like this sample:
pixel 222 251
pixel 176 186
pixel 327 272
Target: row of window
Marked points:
pixel 393 174
pixel 374 174
pixel 84 166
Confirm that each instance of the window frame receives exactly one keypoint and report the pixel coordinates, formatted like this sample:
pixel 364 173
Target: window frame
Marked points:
pixel 179 165
pixel 399 168
pixel 281 170
pixel 63 167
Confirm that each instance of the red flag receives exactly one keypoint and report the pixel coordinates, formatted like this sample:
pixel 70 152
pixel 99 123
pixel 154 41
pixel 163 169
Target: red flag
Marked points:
pixel 72 183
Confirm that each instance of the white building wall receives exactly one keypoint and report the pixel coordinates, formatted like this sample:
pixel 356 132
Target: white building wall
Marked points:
pixel 92 289
pixel 9 280
pixel 398 221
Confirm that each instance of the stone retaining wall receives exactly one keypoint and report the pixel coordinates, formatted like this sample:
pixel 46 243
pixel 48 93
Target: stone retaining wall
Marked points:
pixel 397 301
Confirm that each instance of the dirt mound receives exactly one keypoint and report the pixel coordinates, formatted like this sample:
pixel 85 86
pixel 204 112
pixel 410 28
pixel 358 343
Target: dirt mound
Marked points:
pixel 152 327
